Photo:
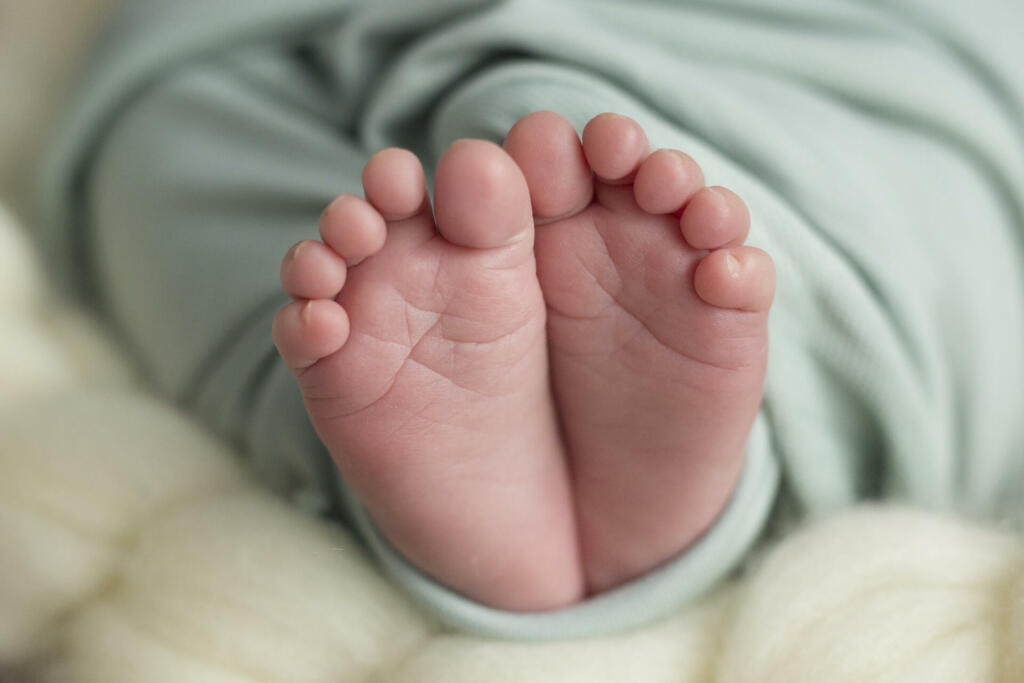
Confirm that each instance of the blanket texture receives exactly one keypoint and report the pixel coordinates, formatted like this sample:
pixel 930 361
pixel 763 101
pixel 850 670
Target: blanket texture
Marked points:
pixel 134 547
pixel 879 146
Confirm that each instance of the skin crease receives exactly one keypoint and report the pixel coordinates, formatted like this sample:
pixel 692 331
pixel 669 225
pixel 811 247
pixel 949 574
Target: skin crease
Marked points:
pixel 540 381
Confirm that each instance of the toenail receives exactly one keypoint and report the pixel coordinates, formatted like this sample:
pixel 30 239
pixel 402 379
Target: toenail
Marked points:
pixel 306 314
pixel 732 265
pixel 293 254
pixel 716 192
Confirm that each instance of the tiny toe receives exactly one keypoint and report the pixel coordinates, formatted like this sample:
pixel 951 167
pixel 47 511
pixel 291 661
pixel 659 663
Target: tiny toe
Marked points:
pixel 666 180
pixel 741 278
pixel 481 197
pixel 614 146
pixel 548 152
pixel 306 331
pixel 394 183
pixel 715 217
pixel 312 270
pixel 352 227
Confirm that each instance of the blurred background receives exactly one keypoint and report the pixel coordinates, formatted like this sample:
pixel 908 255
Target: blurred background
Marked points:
pixel 42 45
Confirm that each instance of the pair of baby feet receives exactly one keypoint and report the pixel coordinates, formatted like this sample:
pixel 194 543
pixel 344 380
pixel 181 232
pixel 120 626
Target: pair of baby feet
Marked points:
pixel 543 385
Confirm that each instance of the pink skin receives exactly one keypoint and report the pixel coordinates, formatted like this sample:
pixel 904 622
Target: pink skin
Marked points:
pixel 436 357
pixel 424 370
pixel 657 347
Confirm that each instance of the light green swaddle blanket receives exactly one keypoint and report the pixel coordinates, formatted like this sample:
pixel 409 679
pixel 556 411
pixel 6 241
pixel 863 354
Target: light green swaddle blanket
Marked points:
pixel 880 147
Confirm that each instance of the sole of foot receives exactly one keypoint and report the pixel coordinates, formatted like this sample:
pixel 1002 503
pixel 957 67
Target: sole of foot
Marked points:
pixel 417 337
pixel 657 334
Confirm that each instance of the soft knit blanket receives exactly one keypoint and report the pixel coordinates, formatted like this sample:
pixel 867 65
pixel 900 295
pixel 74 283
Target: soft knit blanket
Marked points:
pixel 880 147
pixel 133 547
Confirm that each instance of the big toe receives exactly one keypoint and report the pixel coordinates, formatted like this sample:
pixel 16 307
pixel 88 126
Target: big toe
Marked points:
pixel 550 154
pixel 481 199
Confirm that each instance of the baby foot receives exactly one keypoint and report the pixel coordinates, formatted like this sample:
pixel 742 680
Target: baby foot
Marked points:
pixel 419 347
pixel 656 329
